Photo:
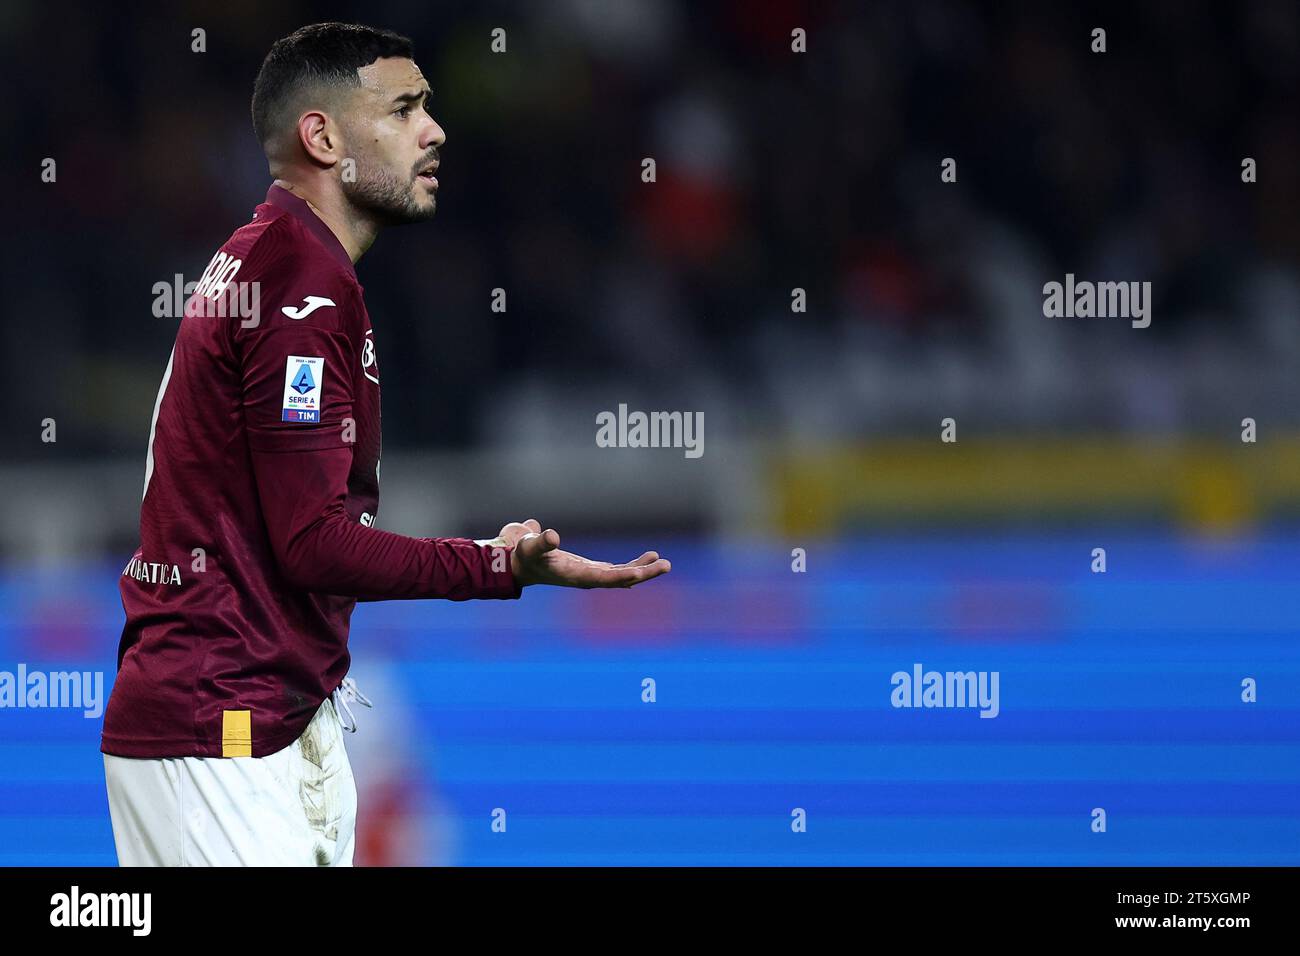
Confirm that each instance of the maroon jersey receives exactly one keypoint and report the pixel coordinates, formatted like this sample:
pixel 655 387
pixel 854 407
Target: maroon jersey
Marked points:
pixel 261 489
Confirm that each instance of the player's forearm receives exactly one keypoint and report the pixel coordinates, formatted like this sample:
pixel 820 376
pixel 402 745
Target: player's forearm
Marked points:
pixel 338 556
pixel 320 548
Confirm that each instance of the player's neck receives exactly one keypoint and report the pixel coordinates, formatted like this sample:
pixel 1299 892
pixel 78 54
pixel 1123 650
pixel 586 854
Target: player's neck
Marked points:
pixel 356 236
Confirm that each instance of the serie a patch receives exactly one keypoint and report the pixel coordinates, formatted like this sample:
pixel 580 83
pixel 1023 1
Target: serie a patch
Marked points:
pixel 304 384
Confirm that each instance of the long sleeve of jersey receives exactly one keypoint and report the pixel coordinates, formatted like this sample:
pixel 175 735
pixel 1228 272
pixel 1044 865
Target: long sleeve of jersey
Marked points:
pixel 306 480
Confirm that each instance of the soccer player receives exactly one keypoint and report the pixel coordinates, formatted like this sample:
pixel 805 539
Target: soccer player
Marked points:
pixel 222 736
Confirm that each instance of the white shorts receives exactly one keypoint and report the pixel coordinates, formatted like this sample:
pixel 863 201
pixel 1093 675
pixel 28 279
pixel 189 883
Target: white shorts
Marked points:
pixel 295 807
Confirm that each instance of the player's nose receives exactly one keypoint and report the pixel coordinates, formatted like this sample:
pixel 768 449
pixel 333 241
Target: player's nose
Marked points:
pixel 434 135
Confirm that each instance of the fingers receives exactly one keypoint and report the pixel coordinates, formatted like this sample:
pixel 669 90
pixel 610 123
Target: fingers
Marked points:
pixel 634 573
pixel 514 534
pixel 548 565
pixel 534 545
pixel 515 530
pixel 599 574
pixel 511 533
pixel 654 569
pixel 650 557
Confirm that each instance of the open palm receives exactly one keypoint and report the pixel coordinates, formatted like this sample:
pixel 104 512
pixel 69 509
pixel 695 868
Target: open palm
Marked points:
pixel 537 559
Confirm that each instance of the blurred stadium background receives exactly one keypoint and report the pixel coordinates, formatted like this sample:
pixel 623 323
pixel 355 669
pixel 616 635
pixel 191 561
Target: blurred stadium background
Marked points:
pixel 775 170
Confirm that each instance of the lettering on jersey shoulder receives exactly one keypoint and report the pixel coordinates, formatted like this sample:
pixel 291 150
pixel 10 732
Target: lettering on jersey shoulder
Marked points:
pixel 152 572
pixel 304 384
pixel 217 276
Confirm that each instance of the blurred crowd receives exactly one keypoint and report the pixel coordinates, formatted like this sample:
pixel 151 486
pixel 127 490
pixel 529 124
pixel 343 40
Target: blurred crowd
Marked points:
pixel 775 171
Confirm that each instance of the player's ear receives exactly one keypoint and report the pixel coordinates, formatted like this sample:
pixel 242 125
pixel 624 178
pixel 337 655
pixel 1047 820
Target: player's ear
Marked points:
pixel 318 137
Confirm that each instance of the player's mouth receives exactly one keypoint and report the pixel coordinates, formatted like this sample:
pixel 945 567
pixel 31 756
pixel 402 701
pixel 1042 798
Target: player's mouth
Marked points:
pixel 427 176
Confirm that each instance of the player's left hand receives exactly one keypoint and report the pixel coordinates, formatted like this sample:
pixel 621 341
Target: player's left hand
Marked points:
pixel 536 559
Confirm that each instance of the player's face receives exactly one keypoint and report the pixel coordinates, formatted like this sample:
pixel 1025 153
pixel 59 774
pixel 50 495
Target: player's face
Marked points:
pixel 395 143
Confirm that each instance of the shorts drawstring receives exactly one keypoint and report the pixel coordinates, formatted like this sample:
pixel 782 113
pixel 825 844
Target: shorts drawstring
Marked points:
pixel 345 692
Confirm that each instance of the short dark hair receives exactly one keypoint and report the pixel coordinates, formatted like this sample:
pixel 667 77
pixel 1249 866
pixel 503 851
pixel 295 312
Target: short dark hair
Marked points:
pixel 322 54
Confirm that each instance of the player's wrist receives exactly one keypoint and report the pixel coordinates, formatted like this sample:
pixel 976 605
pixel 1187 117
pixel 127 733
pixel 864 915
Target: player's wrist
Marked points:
pixel 517 570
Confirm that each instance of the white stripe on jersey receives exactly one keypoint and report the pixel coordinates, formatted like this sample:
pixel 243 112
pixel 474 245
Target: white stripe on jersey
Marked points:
pixel 153 425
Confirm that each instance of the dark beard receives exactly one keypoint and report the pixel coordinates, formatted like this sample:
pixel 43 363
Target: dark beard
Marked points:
pixel 380 196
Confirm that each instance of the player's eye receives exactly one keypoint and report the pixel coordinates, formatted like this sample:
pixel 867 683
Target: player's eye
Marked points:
pixel 404 112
